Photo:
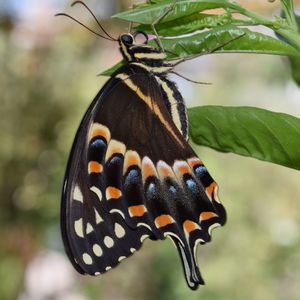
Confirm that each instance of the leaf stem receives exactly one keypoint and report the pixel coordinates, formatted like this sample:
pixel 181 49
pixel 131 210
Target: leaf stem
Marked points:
pixel 292 36
pixel 288 8
pixel 286 28
pixel 253 16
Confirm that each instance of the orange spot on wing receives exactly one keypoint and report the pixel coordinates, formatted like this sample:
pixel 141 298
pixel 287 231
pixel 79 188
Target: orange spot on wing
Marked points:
pixel 163 220
pixel 210 189
pixel 164 170
pixel 194 161
pixel 181 168
pixel 148 168
pixel 131 159
pixel 190 226
pixel 99 130
pixel 94 167
pixel 184 169
pixel 137 210
pixel 112 193
pixel 206 215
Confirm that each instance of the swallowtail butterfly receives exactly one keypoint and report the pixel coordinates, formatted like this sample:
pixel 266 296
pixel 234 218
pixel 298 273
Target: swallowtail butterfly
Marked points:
pixel 132 175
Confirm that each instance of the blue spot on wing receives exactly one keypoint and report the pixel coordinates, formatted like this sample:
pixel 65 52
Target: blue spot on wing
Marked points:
pixel 172 189
pixel 97 149
pixel 191 184
pixel 200 170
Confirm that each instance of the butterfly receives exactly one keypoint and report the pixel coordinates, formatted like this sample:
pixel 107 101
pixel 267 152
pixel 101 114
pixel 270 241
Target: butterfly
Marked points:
pixel 132 174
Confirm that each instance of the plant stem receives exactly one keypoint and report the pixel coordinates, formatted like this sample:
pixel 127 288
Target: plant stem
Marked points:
pixel 289 32
pixel 257 18
pixel 290 14
pixel 292 36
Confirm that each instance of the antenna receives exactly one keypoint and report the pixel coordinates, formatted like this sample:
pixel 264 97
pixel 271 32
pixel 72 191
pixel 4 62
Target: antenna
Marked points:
pixel 107 37
pixel 95 18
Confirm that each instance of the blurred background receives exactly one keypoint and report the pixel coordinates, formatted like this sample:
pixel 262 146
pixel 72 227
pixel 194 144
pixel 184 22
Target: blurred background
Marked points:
pixel 47 80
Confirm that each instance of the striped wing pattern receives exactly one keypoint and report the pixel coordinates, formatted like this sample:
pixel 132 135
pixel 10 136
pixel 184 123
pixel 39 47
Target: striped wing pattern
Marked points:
pixel 132 175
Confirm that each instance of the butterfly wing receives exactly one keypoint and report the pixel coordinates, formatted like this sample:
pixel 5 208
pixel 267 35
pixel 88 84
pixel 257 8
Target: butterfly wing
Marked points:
pixel 131 175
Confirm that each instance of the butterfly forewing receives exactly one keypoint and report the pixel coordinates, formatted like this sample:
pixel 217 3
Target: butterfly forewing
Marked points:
pixel 132 175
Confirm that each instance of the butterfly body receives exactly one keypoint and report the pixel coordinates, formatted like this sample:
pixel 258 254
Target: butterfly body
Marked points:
pixel 131 173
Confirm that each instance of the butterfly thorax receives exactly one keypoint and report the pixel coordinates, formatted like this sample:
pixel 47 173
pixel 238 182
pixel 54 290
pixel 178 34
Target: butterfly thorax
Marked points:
pixel 146 56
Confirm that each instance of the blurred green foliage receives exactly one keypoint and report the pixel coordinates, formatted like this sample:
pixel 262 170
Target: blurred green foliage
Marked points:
pixel 47 80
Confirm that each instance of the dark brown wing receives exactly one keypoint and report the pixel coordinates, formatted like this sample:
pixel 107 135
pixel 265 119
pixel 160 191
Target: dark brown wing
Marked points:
pixel 131 175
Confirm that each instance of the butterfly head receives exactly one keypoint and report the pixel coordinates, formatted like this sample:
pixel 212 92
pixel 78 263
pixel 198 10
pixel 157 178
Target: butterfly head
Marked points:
pixel 126 39
pixel 133 49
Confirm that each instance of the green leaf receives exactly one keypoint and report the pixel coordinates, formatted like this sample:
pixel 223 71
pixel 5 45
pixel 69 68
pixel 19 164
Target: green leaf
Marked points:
pixel 205 42
pixel 147 14
pixel 251 42
pixel 113 69
pixel 295 61
pixel 248 131
pixel 192 23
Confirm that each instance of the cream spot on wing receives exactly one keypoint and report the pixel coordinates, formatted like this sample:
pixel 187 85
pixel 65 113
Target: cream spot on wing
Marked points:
pixel 114 147
pixel 145 225
pixel 78 226
pixel 89 228
pixel 77 195
pixel 87 259
pixel 97 273
pixel 97 217
pixel 107 268
pixel 132 250
pixel 148 168
pixel 97 250
pixel 216 197
pixel 143 237
pixel 212 227
pixel 121 258
pixel 119 230
pixel 99 130
pixel 108 242
pixel 114 210
pixel 97 192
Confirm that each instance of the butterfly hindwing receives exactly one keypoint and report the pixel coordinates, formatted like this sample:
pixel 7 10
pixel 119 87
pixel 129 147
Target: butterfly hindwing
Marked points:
pixel 132 175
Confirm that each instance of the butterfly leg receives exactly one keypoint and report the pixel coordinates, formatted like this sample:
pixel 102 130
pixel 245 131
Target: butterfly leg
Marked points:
pixel 209 51
pixel 156 21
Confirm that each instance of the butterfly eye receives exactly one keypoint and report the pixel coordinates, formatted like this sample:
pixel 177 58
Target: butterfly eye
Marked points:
pixel 141 35
pixel 127 39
